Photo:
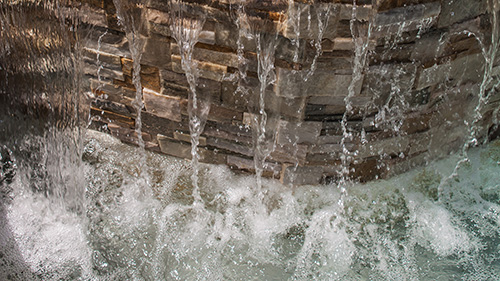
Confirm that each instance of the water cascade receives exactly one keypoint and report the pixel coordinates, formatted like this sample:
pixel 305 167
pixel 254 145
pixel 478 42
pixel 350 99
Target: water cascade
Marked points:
pixel 186 32
pixel 327 141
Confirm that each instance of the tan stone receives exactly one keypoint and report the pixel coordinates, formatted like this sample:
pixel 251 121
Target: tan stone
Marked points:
pixel 163 106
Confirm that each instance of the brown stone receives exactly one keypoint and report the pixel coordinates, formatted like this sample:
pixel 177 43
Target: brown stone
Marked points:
pixel 150 76
pixel 156 51
pixel 157 125
pixel 366 170
pixel 163 106
pixel 111 117
pixel 207 70
pixel 183 150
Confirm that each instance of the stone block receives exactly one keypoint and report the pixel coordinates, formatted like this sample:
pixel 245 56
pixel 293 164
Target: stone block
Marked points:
pixel 214 54
pixel 469 68
pixel 390 146
pixel 224 114
pixel 156 51
pixel 323 159
pixel 306 21
pixel 290 84
pixel 111 42
pixel 183 150
pixel 408 13
pixel 112 117
pixel 290 153
pixel 187 138
pixel 106 60
pixel 112 92
pixel 230 146
pixel 232 98
pixel 175 84
pixel 90 68
pixel 158 125
pixel 332 108
pixel 460 10
pixel 382 81
pixel 419 143
pixel 130 136
pixel 416 123
pixel 270 169
pixel 236 133
pixel 364 12
pixel 158 17
pixel 174 148
pixel 207 70
pixel 150 76
pixel 337 44
pixel 87 14
pixel 302 175
pixel 112 107
pixel 366 170
pixel 303 132
pixel 332 148
pixel 163 106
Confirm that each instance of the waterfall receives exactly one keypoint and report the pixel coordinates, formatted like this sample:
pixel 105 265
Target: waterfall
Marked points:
pixel 186 32
pixel 350 141
pixel 129 15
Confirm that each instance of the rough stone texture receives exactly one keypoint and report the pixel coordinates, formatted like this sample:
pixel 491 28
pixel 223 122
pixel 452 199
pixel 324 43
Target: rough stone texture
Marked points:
pixel 390 101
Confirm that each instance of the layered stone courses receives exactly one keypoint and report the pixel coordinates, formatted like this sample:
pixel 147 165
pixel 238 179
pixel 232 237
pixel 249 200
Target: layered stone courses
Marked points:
pixel 422 68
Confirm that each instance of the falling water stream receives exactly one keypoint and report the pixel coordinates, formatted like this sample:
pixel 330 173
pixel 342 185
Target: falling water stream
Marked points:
pixel 186 32
pixel 84 206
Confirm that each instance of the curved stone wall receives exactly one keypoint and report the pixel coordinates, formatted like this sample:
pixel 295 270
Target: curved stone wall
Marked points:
pixel 361 91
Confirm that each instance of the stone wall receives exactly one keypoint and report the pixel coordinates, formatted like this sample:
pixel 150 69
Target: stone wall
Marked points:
pixel 378 87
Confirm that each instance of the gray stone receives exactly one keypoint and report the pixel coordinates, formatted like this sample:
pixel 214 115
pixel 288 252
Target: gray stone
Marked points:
pixel 270 169
pixel 290 153
pixel 231 146
pixel 428 47
pixel 390 146
pixel 460 10
pixel 331 148
pixel 382 81
pixel 177 149
pixel 290 84
pixel 408 13
pixel 302 175
pixel 465 69
pixel 156 51
pixel 304 132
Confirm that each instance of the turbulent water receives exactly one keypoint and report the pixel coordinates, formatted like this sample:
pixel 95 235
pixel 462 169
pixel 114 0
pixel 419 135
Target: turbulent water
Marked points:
pixel 141 224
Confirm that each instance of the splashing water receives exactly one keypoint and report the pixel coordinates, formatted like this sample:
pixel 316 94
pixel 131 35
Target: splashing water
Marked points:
pixel 386 230
pixel 422 225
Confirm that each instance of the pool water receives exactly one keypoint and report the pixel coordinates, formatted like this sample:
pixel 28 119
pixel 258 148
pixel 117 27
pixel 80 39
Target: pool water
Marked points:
pixel 131 216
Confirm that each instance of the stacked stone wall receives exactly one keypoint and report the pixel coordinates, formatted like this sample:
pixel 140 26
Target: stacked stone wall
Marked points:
pixel 379 86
